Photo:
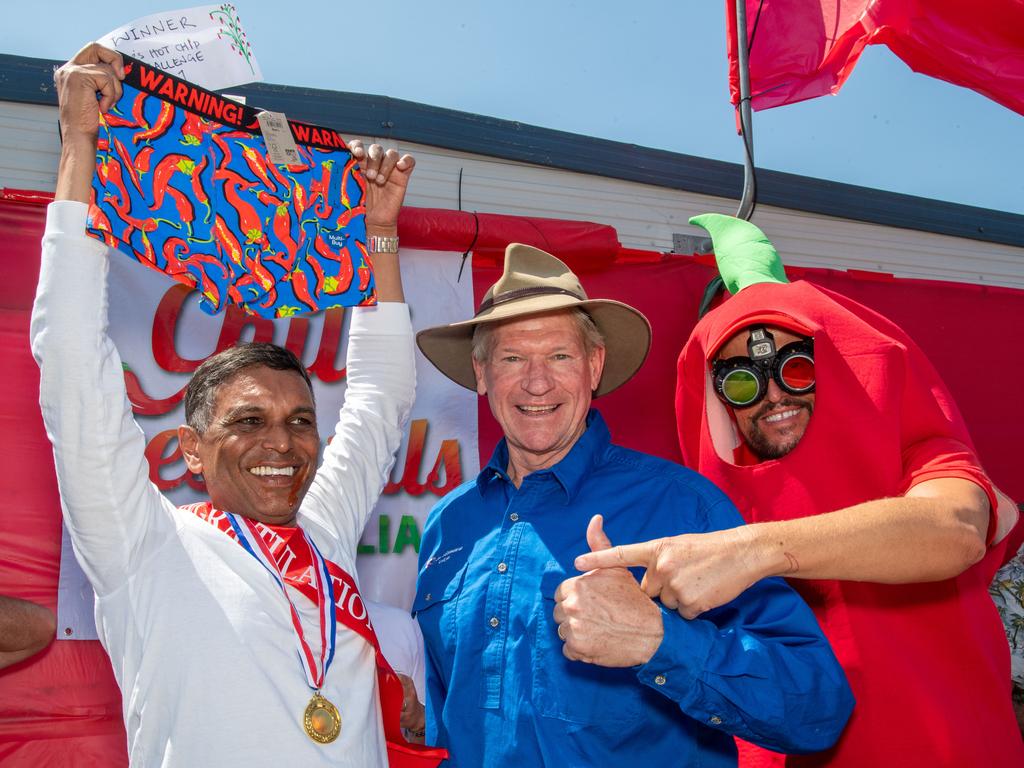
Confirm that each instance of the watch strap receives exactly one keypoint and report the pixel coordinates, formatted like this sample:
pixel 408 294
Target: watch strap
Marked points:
pixel 380 244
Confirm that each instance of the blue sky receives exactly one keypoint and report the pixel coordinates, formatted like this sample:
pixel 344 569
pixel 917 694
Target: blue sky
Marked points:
pixel 648 72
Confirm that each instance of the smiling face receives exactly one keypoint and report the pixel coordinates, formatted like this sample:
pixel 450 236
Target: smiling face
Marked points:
pixel 259 452
pixel 539 379
pixel 772 427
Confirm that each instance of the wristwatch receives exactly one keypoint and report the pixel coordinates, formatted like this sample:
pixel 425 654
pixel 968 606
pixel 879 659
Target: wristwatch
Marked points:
pixel 379 244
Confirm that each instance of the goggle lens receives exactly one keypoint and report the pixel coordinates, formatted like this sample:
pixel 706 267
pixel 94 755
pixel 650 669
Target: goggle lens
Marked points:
pixel 740 387
pixel 797 373
pixel 743 382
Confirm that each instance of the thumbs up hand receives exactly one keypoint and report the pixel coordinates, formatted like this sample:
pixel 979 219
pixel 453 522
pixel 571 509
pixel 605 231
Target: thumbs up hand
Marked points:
pixel 603 616
pixel 597 539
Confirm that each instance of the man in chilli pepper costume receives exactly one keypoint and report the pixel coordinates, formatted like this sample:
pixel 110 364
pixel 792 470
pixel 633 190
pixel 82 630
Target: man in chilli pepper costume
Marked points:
pixel 838 442
pixel 234 627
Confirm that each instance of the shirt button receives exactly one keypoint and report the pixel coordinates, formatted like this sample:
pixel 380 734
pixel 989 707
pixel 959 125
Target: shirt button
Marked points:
pixel 502 567
pixel 494 621
pixel 514 516
pixel 659 680
pixel 429 597
pixel 715 720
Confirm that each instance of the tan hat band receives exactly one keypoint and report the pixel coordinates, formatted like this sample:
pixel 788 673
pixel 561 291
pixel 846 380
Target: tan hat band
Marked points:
pixel 523 293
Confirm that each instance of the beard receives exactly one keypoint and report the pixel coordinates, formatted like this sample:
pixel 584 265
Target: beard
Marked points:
pixel 758 442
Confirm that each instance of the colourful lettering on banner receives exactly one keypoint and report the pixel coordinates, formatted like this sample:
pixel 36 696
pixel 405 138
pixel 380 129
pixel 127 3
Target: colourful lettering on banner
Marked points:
pixel 234 326
pixel 408 536
pixel 447 462
pixel 163 452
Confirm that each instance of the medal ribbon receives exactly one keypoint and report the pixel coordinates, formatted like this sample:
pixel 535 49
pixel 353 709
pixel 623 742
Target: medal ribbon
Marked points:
pixel 249 537
pixel 401 754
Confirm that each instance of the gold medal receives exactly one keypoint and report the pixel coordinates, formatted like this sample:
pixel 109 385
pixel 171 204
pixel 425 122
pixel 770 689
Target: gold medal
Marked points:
pixel 321 720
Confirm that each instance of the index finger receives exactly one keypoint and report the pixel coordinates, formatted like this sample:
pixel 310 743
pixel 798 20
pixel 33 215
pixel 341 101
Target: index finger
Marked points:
pixel 94 53
pixel 621 555
pixel 387 164
pixel 406 163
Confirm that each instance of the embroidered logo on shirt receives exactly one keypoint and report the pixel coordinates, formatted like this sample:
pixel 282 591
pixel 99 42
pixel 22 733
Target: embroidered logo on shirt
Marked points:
pixel 442 558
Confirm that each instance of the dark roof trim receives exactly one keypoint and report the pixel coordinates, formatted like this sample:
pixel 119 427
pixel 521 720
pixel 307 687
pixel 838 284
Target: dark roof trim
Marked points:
pixel 30 80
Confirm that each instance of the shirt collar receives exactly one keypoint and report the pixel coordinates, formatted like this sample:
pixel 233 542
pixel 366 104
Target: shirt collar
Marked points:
pixel 571 471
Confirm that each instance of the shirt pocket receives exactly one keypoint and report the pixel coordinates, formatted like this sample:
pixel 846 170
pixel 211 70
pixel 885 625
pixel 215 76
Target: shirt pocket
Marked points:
pixel 574 691
pixel 437 593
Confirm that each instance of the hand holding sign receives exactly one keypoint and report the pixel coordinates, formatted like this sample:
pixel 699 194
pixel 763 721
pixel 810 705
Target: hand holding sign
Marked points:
pixel 603 616
pixel 387 179
pixel 205 45
pixel 691 573
pixel 93 70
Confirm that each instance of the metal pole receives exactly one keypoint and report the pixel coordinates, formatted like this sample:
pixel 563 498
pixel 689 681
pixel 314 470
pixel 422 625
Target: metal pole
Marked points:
pixel 746 208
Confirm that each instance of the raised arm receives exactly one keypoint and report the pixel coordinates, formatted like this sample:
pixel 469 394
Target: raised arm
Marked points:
pixel 934 532
pixel 94 70
pixel 381 373
pixel 109 504
pixel 387 179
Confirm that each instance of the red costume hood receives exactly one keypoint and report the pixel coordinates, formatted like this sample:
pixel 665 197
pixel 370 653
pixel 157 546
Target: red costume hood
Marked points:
pixel 928 663
pixel 882 421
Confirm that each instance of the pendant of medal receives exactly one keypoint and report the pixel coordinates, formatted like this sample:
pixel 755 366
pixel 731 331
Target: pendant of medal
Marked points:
pixel 321 720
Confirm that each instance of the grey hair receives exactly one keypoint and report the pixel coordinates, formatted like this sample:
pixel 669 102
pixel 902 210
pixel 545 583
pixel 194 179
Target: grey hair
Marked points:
pixel 483 335
pixel 201 392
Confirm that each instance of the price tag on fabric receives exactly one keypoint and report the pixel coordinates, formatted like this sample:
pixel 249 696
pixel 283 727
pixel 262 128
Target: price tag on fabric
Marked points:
pixel 205 45
pixel 281 147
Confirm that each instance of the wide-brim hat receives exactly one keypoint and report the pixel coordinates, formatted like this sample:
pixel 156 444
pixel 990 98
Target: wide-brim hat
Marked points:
pixel 535 282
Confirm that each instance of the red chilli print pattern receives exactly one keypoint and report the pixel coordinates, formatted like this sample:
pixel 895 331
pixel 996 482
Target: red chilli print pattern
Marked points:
pixel 200 201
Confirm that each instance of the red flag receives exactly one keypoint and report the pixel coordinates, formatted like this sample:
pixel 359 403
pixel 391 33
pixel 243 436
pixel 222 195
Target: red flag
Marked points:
pixel 800 49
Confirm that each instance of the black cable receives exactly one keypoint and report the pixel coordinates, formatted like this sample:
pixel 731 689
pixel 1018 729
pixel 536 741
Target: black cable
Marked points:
pixel 753 31
pixel 476 234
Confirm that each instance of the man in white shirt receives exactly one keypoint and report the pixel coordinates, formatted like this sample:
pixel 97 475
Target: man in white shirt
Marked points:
pixel 202 633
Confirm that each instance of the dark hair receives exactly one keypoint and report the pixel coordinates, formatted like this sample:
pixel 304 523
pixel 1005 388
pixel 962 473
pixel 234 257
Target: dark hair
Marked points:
pixel 218 369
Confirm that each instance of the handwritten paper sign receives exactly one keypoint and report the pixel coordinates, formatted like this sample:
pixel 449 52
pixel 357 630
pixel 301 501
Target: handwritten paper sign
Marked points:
pixel 204 45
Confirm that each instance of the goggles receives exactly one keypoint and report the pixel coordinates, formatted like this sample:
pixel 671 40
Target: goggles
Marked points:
pixel 743 381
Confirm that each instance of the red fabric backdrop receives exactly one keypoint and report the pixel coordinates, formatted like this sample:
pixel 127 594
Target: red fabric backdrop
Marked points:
pixel 63 707
pixel 962 328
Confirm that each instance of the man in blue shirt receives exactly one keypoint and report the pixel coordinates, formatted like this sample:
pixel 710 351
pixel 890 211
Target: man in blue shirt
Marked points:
pixel 529 664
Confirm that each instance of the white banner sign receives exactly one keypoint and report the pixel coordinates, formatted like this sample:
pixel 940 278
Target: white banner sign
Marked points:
pixel 205 45
pixel 162 336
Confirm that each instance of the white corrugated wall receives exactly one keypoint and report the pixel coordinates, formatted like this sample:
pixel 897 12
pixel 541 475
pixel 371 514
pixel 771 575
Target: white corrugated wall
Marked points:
pixel 645 216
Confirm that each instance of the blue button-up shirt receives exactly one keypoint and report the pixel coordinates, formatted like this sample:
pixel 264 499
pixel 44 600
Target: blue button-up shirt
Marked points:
pixel 499 690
